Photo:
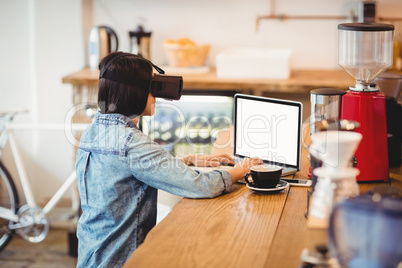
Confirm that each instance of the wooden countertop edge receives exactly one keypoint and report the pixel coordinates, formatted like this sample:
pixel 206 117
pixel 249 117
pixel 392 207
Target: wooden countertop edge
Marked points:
pixel 300 81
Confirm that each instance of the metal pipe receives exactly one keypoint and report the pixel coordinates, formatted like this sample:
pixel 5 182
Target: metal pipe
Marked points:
pixel 297 17
pixel 286 17
pixel 273 15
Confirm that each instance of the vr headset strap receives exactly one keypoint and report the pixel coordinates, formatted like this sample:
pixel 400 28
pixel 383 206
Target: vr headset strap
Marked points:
pixel 127 80
pixel 104 69
pixel 121 78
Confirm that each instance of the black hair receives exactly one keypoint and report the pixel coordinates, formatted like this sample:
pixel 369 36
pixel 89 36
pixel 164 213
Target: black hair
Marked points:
pixel 121 98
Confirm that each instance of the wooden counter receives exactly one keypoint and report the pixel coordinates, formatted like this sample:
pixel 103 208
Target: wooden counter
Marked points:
pixel 300 81
pixel 239 229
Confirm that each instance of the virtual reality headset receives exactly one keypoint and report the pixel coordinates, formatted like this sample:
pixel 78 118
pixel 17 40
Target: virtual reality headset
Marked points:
pixel 166 86
pixel 161 86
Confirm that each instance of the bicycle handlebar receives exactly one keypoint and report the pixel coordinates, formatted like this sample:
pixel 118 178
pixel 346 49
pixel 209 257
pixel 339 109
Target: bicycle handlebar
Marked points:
pixel 9 115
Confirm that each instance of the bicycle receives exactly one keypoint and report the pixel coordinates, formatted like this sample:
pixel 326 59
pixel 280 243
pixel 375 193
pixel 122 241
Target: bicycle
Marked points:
pixel 29 220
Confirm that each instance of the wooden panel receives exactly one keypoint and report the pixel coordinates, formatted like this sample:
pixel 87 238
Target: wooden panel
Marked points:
pixel 51 252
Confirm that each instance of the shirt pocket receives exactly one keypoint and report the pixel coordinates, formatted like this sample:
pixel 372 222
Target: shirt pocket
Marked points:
pixel 82 175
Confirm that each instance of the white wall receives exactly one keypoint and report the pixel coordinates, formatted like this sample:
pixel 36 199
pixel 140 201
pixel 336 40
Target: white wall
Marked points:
pixel 44 40
pixel 41 41
pixel 232 23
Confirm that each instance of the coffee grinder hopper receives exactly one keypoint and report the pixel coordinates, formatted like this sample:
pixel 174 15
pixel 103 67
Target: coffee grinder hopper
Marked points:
pixel 365 52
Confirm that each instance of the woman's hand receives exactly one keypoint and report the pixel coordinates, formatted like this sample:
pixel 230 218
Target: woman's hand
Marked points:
pixel 241 168
pixel 201 160
pixel 237 172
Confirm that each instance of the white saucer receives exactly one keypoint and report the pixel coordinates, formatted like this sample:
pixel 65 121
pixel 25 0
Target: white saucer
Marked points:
pixel 279 187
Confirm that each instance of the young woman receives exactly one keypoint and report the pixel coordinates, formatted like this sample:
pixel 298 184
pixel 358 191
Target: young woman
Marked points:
pixel 119 169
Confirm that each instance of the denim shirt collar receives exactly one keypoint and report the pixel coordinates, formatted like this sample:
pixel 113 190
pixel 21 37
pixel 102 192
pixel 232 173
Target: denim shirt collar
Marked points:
pixel 113 119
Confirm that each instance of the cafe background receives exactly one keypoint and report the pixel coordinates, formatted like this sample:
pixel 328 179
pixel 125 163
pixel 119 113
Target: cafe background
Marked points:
pixel 44 40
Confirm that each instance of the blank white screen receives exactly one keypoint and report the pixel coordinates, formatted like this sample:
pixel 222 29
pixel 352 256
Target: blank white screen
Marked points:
pixel 267 130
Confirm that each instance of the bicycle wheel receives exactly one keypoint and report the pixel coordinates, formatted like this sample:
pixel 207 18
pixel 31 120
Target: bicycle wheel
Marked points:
pixel 9 200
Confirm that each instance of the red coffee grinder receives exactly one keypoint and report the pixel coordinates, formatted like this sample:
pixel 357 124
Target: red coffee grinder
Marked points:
pixel 365 51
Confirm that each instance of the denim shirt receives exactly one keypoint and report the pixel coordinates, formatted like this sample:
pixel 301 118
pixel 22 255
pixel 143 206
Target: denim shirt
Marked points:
pixel 119 170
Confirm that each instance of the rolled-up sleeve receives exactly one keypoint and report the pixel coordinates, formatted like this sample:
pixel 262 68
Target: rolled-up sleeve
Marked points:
pixel 156 167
